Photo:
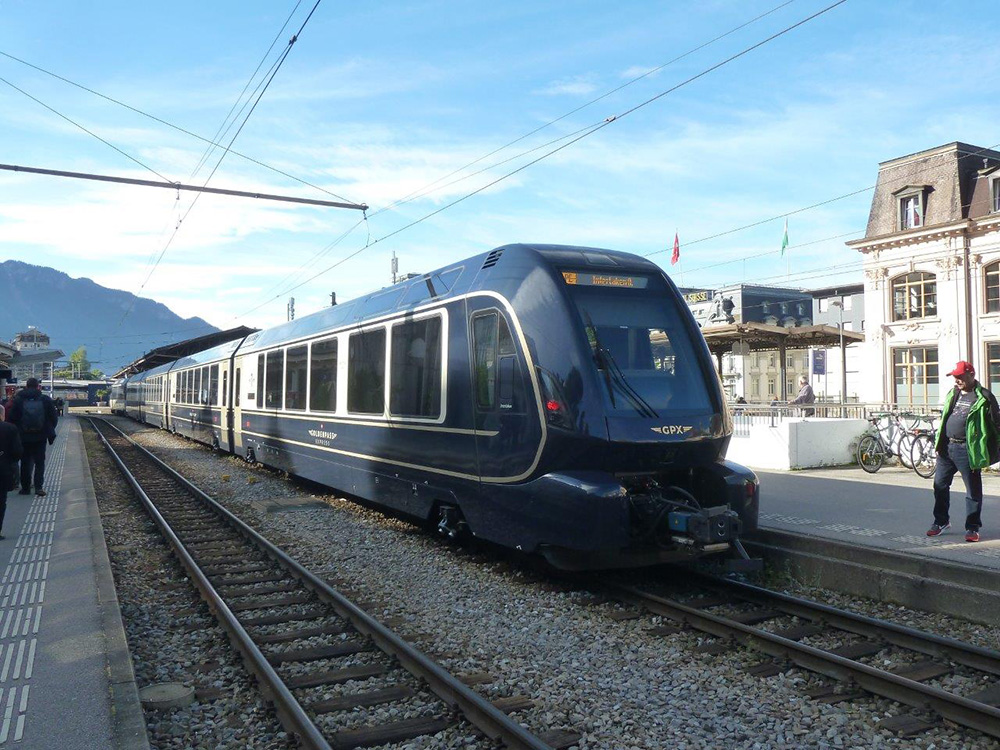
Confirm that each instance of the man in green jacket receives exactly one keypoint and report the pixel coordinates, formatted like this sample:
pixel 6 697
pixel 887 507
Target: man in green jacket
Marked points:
pixel 968 440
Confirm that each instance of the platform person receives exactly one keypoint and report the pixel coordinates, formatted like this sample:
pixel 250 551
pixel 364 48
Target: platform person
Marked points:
pixel 968 440
pixel 35 416
pixel 10 453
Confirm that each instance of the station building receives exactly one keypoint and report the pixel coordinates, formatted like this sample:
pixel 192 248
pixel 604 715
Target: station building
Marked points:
pixel 931 259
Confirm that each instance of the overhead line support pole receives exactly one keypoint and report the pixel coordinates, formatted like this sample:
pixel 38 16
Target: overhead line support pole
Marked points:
pixel 181 186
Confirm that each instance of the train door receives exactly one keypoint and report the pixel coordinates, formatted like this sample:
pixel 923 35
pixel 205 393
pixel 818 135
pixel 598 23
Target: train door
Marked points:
pixel 235 420
pixel 507 431
pixel 168 399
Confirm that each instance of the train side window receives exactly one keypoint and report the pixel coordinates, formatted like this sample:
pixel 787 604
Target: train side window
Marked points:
pixel 205 391
pixel 323 376
pixel 213 385
pixel 272 388
pixel 485 331
pixel 260 381
pixel 196 390
pixel 366 372
pixel 236 386
pixel 177 388
pixel 415 383
pixel 225 385
pixel 296 366
pixel 185 386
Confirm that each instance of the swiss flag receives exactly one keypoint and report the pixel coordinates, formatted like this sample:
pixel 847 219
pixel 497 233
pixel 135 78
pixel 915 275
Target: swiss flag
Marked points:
pixel 677 250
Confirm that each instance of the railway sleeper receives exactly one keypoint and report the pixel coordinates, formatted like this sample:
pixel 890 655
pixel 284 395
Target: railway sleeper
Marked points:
pixel 382 734
pixel 286 636
pixel 317 653
pixel 336 676
pixel 277 601
pixel 285 617
pixel 363 700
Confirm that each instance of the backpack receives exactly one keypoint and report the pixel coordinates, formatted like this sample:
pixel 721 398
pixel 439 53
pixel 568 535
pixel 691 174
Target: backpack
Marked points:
pixel 33 416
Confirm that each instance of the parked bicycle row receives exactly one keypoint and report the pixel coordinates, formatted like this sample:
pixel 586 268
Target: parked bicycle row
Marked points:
pixel 902 436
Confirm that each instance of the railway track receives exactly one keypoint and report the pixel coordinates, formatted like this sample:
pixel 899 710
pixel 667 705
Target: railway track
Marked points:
pixel 298 634
pixel 782 627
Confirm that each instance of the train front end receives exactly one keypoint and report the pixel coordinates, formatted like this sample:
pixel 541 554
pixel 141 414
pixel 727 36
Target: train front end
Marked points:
pixel 637 420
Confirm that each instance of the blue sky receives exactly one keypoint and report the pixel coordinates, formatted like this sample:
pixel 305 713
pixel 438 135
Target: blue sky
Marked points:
pixel 377 101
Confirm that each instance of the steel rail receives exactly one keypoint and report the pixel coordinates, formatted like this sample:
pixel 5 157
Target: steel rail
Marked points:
pixel 960 710
pixel 289 710
pixel 479 711
pixel 983 659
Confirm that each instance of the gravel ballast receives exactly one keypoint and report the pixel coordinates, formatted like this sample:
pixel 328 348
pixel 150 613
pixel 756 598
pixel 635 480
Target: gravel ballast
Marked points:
pixel 613 681
pixel 171 634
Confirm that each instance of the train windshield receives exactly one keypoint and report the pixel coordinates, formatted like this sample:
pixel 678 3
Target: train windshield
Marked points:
pixel 641 345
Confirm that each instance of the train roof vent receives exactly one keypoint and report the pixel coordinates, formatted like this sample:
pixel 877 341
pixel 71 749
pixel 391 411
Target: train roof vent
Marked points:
pixel 600 259
pixel 492 258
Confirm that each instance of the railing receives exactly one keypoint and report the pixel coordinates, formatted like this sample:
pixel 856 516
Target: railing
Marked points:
pixel 771 415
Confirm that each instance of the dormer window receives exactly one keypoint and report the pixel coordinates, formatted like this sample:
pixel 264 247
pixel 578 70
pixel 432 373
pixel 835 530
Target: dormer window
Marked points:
pixel 911 206
pixel 911 213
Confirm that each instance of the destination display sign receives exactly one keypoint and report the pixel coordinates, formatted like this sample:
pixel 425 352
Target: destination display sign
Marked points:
pixel 585 278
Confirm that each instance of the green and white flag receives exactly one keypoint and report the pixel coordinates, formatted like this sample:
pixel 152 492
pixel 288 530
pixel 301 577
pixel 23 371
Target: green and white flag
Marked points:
pixel 784 240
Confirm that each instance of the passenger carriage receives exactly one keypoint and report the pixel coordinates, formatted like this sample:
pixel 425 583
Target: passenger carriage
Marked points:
pixel 551 399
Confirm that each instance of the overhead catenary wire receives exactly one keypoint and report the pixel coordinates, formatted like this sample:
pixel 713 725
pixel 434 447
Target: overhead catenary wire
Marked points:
pixel 436 186
pixel 89 132
pixel 225 125
pixel 172 126
pixel 588 131
pixel 427 189
pixel 274 72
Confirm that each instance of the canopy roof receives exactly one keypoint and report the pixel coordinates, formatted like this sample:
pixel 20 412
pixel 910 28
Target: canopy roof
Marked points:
pixel 171 352
pixel 763 337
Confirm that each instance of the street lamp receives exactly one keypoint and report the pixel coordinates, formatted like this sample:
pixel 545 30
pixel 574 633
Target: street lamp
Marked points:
pixel 839 304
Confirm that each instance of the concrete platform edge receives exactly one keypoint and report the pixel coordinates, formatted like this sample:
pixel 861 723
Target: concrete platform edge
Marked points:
pixel 915 581
pixel 127 715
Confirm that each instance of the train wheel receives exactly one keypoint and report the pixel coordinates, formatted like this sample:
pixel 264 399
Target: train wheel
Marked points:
pixel 250 457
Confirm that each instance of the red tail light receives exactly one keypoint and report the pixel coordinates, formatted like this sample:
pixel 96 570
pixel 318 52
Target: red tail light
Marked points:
pixel 553 405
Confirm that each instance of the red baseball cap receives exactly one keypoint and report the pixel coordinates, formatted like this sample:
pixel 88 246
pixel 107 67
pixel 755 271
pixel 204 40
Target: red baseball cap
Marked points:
pixel 962 368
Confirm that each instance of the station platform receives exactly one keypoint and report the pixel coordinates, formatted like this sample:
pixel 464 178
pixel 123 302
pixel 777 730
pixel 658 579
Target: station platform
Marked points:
pixel 891 510
pixel 66 677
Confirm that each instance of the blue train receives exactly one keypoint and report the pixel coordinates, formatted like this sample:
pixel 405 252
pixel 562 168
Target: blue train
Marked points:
pixel 556 400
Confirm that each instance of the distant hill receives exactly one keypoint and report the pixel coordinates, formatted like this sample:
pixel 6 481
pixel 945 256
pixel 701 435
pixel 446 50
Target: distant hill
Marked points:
pixel 78 312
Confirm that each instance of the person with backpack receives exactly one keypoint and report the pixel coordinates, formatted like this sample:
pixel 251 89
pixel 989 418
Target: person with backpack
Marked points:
pixel 10 452
pixel 35 416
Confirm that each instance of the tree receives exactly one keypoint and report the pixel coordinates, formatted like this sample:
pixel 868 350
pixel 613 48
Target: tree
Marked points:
pixel 79 367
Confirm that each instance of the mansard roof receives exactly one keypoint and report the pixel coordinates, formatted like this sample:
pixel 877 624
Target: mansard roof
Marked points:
pixel 948 177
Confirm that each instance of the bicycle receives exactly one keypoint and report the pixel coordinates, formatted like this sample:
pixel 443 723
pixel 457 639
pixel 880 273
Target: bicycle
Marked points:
pixel 923 452
pixel 872 448
pixel 880 442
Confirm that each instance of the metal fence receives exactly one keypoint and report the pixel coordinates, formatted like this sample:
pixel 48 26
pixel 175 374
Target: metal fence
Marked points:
pixel 771 415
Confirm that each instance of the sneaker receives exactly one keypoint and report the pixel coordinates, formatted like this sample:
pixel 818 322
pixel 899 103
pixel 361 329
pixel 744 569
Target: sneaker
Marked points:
pixel 972 535
pixel 41 493
pixel 24 492
pixel 935 530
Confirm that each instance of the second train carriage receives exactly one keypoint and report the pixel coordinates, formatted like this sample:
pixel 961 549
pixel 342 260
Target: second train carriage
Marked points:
pixel 552 399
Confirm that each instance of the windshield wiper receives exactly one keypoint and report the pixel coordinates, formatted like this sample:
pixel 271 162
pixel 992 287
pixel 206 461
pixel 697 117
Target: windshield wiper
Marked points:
pixel 612 372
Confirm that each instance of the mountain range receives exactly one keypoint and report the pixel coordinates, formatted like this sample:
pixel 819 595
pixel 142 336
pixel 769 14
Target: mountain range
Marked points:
pixel 79 312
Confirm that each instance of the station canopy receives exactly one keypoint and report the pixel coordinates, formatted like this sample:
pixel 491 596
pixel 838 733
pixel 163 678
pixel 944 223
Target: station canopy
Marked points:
pixel 172 352
pixel 756 337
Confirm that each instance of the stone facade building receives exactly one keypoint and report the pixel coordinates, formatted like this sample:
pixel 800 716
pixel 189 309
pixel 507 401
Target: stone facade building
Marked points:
pixel 756 376
pixel 931 258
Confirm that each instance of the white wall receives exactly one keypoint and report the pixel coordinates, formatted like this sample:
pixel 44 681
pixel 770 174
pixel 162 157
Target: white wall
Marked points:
pixel 797 443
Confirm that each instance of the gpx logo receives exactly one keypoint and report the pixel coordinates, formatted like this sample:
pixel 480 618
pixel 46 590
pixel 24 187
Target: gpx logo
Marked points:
pixel 672 429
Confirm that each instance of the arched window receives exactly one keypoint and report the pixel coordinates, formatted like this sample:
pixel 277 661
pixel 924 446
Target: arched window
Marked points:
pixel 991 274
pixel 914 295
